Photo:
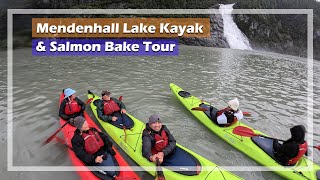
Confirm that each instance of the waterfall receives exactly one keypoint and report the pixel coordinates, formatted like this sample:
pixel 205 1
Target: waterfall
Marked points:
pixel 236 39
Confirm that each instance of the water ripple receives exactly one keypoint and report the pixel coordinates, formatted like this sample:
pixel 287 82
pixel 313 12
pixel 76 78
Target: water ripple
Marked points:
pixel 273 88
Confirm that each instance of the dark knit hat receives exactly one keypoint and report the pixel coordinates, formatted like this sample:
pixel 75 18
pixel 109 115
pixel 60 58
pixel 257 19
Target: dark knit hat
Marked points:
pixel 154 118
pixel 78 122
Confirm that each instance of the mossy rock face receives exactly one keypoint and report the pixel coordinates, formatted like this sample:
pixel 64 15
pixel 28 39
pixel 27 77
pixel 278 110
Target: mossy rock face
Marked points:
pixel 216 38
pixel 279 33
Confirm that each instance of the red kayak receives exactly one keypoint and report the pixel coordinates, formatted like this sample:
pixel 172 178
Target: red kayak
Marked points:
pixel 68 132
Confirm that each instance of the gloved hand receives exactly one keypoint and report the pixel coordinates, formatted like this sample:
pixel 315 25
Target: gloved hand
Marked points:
pixel 229 114
pixel 105 156
pixel 71 121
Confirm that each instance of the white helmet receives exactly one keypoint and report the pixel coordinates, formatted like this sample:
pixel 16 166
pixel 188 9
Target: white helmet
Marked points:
pixel 234 104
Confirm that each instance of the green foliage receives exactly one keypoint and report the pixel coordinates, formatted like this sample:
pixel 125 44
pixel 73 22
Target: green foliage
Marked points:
pixel 283 28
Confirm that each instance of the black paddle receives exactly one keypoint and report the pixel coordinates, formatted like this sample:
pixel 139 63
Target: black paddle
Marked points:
pixel 160 175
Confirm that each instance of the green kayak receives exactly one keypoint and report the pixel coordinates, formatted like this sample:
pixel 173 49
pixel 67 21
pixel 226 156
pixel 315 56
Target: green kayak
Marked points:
pixel 257 147
pixel 130 140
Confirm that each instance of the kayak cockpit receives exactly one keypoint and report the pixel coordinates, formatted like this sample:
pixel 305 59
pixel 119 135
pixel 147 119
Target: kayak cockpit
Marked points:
pixel 266 144
pixel 184 94
pixel 182 162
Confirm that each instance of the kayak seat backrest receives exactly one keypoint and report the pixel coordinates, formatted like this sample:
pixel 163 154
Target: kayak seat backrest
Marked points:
pixel 266 144
pixel 318 175
pixel 184 94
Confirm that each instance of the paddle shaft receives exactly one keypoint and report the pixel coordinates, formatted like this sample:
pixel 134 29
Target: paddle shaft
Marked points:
pixel 160 174
pixel 317 147
pixel 202 101
pixel 245 113
pixel 52 136
pixel 245 131
pixel 124 130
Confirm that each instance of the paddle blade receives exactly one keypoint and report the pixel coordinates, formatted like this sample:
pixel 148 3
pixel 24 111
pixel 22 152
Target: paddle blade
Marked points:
pixel 59 140
pixel 244 131
pixel 199 109
pixel 160 178
pixel 120 98
pixel 51 137
pixel 125 133
pixel 246 113
pixel 317 147
pixel 89 100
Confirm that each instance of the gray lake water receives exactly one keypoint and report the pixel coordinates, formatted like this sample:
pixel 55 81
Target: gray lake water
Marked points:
pixel 272 87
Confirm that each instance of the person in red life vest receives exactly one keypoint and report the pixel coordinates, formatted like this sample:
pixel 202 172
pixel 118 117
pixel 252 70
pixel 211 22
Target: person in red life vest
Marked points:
pixel 92 146
pixel 157 141
pixel 113 111
pixel 227 116
pixel 291 151
pixel 71 106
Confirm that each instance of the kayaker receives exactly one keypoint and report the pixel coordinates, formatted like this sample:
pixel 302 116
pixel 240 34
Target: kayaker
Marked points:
pixel 227 116
pixel 112 110
pixel 291 151
pixel 71 106
pixel 157 141
pixel 91 146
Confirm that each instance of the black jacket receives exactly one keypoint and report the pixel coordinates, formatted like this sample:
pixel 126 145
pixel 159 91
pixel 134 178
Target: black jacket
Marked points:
pixel 63 106
pixel 100 106
pixel 148 141
pixel 78 147
pixel 290 148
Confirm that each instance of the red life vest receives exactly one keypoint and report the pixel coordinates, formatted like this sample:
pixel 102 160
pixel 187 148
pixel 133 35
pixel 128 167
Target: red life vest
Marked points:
pixel 110 106
pixel 222 111
pixel 302 150
pixel 160 142
pixel 92 142
pixel 72 107
pixel 235 119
